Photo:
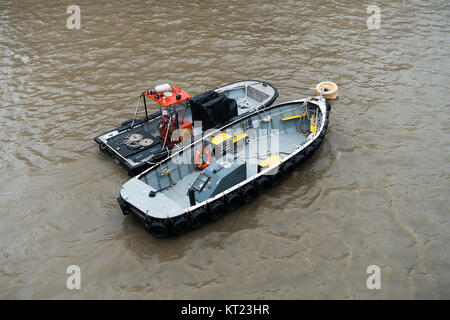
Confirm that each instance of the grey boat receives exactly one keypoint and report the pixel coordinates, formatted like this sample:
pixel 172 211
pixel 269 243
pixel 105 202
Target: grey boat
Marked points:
pixel 139 143
pixel 226 167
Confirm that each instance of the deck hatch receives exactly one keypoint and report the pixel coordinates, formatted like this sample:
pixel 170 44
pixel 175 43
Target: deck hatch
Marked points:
pixel 200 182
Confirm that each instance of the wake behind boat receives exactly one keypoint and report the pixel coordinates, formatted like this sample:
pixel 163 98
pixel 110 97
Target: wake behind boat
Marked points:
pixel 226 168
pixel 140 143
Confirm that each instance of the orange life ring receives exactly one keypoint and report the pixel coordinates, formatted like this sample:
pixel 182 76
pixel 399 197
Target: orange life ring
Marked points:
pixel 198 163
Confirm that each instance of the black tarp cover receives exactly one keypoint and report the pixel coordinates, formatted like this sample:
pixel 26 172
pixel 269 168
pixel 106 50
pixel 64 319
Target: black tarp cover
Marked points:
pixel 213 109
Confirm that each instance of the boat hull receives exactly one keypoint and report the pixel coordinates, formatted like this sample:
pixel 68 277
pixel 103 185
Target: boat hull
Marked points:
pixel 212 209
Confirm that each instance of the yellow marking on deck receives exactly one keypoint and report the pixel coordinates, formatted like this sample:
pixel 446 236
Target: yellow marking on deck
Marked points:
pixel 312 126
pixel 270 161
pixel 220 138
pixel 239 137
pixel 294 116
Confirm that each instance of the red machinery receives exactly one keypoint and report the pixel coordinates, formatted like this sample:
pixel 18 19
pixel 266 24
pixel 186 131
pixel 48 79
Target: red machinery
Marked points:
pixel 167 126
pixel 168 95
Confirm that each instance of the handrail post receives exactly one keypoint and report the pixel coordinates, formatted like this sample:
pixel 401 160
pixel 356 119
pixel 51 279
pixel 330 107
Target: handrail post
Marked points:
pixel 135 112
pixel 145 106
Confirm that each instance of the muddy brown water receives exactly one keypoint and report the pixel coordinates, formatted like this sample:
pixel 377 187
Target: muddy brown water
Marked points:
pixel 375 194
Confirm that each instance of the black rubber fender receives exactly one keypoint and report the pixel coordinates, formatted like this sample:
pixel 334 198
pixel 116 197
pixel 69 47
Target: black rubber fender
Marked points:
pixel 198 218
pixel 308 151
pixel 320 139
pixel 158 229
pixel 325 126
pixel 248 192
pixel 123 206
pixel 180 226
pixel 262 184
pixel 276 178
pixel 233 201
pixel 313 150
pixel 322 135
pixel 287 168
pixel 216 209
pixel 317 142
pixel 298 159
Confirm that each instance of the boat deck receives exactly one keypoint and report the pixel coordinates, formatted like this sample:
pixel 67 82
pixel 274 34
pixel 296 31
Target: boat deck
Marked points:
pixel 245 102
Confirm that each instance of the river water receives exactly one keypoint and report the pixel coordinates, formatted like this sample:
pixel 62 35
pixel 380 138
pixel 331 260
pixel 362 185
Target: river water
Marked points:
pixel 377 192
